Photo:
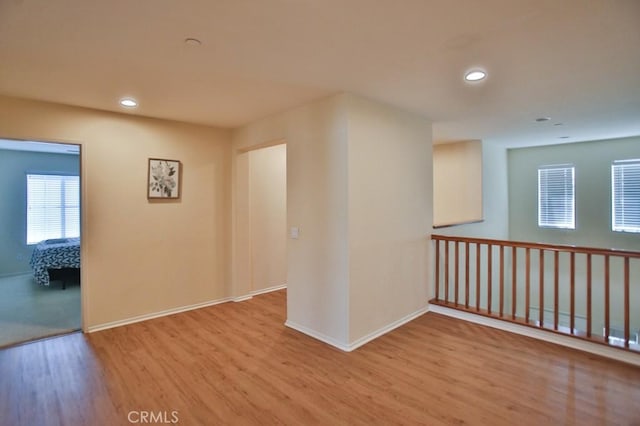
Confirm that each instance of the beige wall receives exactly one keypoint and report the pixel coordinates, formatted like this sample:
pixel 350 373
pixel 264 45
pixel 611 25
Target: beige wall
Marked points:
pixel 140 257
pixel 359 187
pixel 390 215
pixel 317 262
pixel 457 183
pixel 268 216
pixel 495 194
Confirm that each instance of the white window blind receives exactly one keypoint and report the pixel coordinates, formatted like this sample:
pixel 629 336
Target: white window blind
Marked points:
pixel 625 200
pixel 53 207
pixel 556 197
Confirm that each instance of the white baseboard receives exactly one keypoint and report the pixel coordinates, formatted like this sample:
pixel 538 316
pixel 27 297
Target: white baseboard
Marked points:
pixel 571 342
pixel 172 311
pixel 258 292
pixel 387 328
pixel 318 336
pixel 268 290
pixel 348 347
pixel 153 315
pixel 241 298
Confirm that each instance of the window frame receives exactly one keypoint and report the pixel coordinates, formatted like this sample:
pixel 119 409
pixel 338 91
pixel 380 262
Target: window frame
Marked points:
pixel 63 205
pixel 630 229
pixel 545 224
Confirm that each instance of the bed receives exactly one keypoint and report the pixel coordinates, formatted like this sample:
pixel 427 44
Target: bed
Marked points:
pixel 59 253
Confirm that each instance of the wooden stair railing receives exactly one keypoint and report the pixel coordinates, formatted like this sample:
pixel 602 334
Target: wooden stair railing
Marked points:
pixel 516 307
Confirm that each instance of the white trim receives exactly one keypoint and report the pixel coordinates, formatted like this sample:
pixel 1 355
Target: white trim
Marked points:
pixel 258 292
pixel 153 315
pixel 319 336
pixel 387 328
pixel 172 311
pixel 361 341
pixel 571 342
pixel 268 290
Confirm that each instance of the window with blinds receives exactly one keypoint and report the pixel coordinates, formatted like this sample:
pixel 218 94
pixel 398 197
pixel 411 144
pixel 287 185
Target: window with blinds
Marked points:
pixel 625 199
pixel 53 207
pixel 556 197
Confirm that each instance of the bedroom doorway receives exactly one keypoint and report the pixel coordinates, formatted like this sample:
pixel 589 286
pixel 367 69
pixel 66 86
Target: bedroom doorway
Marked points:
pixel 40 206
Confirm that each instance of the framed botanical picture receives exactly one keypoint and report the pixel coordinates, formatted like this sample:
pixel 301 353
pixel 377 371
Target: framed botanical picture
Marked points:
pixel 163 179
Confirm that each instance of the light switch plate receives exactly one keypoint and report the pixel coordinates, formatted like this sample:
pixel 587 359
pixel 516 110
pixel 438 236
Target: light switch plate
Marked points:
pixel 295 233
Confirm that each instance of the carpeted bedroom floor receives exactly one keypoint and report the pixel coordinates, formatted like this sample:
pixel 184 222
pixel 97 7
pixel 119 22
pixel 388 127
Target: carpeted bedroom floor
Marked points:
pixel 29 311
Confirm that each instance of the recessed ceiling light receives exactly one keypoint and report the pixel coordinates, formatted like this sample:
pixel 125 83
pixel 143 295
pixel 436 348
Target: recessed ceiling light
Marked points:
pixel 541 119
pixel 475 75
pixel 564 137
pixel 128 103
pixel 558 124
pixel 192 41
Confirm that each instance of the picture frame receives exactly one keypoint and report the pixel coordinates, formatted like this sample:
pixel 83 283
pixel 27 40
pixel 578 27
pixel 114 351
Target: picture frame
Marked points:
pixel 163 179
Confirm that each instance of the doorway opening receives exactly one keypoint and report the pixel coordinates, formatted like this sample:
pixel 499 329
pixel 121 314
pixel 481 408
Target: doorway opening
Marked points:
pixel 268 217
pixel 260 230
pixel 40 205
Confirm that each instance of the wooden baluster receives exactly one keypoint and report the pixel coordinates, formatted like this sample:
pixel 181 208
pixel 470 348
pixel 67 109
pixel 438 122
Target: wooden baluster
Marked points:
pixel 588 294
pixel 572 320
pixel 575 328
pixel 626 302
pixel 466 274
pixel 457 272
pixel 437 270
pixel 527 284
pixel 606 298
pixel 489 277
pixel 446 271
pixel 501 280
pixel 478 253
pixel 514 275
pixel 541 304
pixel 556 282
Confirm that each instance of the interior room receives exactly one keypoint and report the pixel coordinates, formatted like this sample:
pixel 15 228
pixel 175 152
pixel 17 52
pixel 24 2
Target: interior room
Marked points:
pixel 336 212
pixel 40 193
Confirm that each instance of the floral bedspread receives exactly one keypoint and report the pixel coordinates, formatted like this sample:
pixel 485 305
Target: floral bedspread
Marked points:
pixel 54 254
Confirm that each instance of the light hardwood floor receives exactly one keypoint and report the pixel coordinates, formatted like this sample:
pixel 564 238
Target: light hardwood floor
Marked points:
pixel 237 364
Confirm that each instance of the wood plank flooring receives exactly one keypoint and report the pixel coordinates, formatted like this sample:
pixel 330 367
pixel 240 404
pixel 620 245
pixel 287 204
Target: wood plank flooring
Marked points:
pixel 237 364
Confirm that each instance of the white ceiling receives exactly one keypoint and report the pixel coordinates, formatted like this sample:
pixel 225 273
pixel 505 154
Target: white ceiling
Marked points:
pixel 576 61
